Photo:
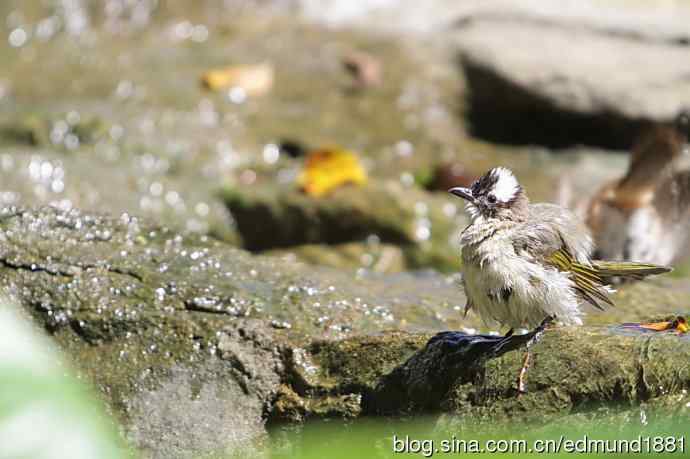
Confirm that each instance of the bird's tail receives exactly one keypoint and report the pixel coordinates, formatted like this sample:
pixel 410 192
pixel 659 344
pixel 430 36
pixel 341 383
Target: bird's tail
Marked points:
pixel 628 269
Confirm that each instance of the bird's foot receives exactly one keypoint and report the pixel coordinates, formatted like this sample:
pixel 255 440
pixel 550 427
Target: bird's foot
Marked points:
pixel 538 333
pixel 548 323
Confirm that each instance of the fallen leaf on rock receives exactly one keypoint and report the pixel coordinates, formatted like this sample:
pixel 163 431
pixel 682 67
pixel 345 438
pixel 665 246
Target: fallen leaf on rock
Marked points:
pixel 255 80
pixel 679 325
pixel 329 168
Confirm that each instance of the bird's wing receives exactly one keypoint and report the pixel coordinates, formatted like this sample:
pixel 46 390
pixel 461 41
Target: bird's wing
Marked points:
pixel 558 240
pixel 562 226
pixel 586 277
pixel 554 236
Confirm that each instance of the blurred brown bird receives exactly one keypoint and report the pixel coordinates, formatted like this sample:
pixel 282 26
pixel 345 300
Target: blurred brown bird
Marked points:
pixel 644 215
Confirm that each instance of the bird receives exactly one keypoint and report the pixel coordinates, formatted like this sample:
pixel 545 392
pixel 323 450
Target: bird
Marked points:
pixel 524 263
pixel 644 215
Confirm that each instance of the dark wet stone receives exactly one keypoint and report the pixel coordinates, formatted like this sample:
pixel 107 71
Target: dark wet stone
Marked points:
pixel 269 218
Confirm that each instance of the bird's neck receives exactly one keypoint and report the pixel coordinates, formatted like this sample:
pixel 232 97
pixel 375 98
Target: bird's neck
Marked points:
pixel 652 161
pixel 637 188
pixel 646 173
pixel 482 229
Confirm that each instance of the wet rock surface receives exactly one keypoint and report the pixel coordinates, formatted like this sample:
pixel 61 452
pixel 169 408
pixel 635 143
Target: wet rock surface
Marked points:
pixel 581 369
pixel 474 377
pixel 372 254
pixel 187 331
pixel 449 359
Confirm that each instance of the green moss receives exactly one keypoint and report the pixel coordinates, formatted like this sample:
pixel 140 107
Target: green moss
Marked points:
pixel 577 369
pixel 360 362
pixel 35 129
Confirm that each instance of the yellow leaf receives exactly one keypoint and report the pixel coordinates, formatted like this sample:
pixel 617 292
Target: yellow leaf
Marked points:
pixel 657 326
pixel 255 80
pixel 680 325
pixel 329 168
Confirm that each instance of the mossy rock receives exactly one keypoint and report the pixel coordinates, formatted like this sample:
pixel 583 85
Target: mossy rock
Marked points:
pixel 270 217
pixel 36 129
pixel 573 370
pixel 165 325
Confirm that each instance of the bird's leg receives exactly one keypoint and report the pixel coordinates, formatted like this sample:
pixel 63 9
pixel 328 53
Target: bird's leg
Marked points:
pixel 522 383
pixel 522 377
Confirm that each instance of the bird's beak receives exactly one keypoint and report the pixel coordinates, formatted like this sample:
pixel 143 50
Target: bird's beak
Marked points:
pixel 464 193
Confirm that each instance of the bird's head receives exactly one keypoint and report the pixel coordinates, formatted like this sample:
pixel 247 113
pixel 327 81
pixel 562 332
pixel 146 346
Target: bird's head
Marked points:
pixel 495 195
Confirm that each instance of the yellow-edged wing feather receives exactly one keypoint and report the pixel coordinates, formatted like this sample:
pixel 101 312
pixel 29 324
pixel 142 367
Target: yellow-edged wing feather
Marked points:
pixel 628 269
pixel 588 282
pixel 591 279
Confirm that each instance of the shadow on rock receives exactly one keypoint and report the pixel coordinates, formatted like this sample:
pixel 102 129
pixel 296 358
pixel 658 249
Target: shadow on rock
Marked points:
pixel 449 358
pixel 526 118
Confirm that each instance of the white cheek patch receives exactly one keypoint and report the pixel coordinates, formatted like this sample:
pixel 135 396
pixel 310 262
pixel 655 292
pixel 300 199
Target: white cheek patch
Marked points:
pixel 507 186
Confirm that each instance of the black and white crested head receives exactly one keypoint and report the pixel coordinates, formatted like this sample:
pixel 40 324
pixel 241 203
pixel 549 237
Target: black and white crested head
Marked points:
pixel 499 182
pixel 497 194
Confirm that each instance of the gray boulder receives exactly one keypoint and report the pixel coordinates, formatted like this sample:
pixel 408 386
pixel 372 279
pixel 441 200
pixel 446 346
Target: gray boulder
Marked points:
pixel 559 84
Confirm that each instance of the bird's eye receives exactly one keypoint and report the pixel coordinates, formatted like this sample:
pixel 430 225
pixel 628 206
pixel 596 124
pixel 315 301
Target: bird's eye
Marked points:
pixel 491 198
